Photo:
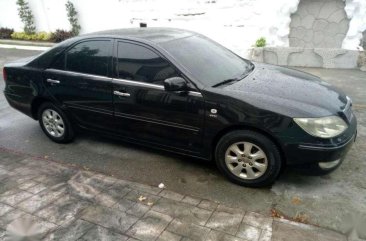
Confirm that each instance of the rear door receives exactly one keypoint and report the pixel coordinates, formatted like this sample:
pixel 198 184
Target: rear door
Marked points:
pixel 80 81
pixel 144 110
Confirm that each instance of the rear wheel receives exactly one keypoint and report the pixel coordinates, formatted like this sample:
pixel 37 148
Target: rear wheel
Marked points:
pixel 55 123
pixel 248 158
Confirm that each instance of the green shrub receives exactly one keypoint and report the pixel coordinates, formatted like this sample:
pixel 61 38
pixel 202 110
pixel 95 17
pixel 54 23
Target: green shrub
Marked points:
pixel 25 14
pixel 41 36
pixel 60 35
pixel 72 16
pixel 261 42
pixel 5 33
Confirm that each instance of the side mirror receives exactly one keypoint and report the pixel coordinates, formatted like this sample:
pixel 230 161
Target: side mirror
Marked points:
pixel 175 84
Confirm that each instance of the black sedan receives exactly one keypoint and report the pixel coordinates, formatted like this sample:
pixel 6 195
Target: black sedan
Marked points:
pixel 179 91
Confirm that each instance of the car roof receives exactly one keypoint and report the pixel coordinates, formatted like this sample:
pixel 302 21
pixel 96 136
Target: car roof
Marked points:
pixel 150 34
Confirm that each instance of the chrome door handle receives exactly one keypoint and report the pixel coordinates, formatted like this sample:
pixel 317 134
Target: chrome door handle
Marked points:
pixel 53 81
pixel 121 93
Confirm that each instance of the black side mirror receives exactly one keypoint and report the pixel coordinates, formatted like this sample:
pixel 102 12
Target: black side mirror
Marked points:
pixel 175 84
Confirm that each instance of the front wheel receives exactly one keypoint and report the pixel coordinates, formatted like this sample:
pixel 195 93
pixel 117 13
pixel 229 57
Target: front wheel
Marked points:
pixel 248 158
pixel 55 123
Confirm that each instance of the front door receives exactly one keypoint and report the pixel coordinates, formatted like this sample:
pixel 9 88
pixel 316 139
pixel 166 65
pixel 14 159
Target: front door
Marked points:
pixel 144 110
pixel 79 81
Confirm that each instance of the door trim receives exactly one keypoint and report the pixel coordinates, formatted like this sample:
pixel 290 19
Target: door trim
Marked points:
pixel 159 122
pixel 79 74
pixel 153 86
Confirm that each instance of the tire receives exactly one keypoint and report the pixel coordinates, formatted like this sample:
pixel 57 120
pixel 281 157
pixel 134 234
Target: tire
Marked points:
pixel 261 158
pixel 50 118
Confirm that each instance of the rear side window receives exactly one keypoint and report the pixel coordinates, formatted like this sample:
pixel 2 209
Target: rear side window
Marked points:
pixel 138 63
pixel 89 57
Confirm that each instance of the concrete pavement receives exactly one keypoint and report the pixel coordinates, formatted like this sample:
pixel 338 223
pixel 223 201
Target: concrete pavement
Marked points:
pixel 43 200
pixel 333 201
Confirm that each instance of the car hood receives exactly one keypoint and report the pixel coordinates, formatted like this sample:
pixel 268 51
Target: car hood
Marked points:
pixel 289 92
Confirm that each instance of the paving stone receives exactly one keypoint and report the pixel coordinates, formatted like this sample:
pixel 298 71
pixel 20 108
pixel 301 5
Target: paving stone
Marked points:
pixel 5 208
pixel 191 200
pixel 207 204
pixel 34 228
pixel 82 191
pixel 124 204
pixel 224 208
pixel 26 185
pixel 101 181
pixel 140 187
pixel 225 222
pixel 138 210
pixel 189 230
pixel 168 236
pixel 248 232
pixel 63 211
pixel 98 233
pixel 14 196
pixel 135 195
pixel 37 188
pixel 182 211
pixel 28 171
pixel 171 195
pixel 266 235
pixel 10 216
pixel 45 179
pixel 258 220
pixel 110 196
pixel 70 233
pixel 113 219
pixel 42 199
pixel 220 236
pixel 150 226
pixel 8 184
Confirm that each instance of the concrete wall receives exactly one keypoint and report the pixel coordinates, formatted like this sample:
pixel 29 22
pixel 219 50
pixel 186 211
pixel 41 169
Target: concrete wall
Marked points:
pixel 234 23
pixel 237 24
pixel 319 24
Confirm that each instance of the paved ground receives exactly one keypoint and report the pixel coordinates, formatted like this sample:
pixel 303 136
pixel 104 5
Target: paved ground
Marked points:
pixel 327 201
pixel 42 200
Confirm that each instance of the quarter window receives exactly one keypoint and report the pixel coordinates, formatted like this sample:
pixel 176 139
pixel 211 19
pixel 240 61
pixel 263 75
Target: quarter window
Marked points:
pixel 90 57
pixel 138 63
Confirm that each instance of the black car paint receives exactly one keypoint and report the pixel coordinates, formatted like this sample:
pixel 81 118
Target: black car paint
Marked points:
pixel 266 100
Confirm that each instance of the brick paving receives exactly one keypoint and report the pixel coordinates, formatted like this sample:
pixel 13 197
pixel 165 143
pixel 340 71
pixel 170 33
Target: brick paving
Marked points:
pixel 43 200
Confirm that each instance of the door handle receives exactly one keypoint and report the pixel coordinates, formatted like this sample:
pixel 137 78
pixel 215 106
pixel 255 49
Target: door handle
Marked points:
pixel 53 81
pixel 121 93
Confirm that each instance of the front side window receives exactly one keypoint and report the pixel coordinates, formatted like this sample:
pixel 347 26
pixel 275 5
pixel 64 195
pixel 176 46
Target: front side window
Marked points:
pixel 209 62
pixel 138 63
pixel 90 57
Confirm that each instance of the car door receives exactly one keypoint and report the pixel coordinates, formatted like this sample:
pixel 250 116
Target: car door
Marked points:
pixel 79 81
pixel 144 110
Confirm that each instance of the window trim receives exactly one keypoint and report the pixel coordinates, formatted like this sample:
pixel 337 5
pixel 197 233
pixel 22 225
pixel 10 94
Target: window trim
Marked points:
pixel 63 55
pixel 115 58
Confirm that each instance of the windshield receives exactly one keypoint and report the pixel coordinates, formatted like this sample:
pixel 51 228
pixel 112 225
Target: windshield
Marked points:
pixel 209 62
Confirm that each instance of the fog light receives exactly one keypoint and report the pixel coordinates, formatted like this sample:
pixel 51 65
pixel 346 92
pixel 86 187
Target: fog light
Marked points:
pixel 329 165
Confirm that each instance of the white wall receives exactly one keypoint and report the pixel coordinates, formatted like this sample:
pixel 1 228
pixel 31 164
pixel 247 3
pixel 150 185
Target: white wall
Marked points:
pixel 234 23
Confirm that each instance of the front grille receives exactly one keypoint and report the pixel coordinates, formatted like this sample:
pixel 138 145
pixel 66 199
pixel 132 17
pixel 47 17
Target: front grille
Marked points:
pixel 347 111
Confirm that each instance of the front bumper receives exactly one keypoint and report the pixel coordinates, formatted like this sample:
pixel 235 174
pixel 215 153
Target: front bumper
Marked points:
pixel 331 150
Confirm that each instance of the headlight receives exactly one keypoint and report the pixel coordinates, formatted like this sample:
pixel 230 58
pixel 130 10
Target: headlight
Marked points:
pixel 324 127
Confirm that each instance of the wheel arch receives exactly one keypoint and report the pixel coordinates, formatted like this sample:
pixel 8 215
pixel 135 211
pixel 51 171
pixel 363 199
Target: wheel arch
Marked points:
pixel 226 130
pixel 36 103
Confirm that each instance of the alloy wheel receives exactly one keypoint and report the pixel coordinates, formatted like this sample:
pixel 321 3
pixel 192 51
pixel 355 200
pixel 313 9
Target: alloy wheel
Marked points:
pixel 53 123
pixel 246 160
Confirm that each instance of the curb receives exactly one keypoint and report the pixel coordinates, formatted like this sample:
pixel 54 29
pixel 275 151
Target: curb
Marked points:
pixel 26 43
